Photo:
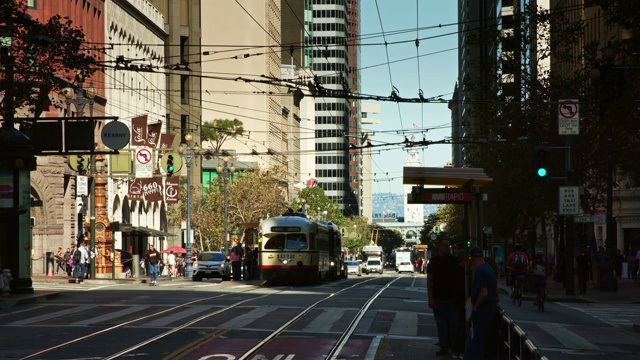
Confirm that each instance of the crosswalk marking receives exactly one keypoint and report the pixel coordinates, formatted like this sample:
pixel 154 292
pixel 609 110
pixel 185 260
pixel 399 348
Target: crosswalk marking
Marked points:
pixel 619 316
pixel 52 315
pixel 568 338
pixel 113 315
pixel 185 314
pixel 249 317
pixel 325 321
pixel 405 323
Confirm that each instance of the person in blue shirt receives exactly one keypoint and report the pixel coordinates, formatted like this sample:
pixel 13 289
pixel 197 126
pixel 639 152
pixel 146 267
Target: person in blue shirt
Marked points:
pixel 484 295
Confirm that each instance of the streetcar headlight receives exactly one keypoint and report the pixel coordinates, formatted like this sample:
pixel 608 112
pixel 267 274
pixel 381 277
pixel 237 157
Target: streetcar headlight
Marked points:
pixel 333 264
pixel 285 261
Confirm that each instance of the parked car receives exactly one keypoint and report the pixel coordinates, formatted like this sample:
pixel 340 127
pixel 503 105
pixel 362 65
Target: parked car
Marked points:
pixel 212 264
pixel 353 268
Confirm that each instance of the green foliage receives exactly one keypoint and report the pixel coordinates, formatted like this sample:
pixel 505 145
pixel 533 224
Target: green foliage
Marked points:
pixel 218 131
pixel 314 202
pixel 40 51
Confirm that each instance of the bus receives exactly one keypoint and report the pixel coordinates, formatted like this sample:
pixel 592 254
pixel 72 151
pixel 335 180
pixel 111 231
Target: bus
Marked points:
pixel 294 249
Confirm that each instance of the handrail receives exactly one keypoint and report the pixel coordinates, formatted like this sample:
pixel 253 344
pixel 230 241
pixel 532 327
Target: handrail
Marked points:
pixel 514 341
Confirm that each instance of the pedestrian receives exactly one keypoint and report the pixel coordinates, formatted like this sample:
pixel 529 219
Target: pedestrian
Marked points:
pixel 460 296
pixel 618 259
pixel 171 259
pixel 631 265
pixel 484 294
pixel 441 284
pixel 153 258
pixel 248 261
pixel 59 256
pixel 80 258
pixel 66 260
pixel 583 266
pixel 236 262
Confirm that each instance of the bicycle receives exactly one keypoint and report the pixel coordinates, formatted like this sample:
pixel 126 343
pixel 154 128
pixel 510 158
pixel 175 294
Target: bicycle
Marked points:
pixel 517 291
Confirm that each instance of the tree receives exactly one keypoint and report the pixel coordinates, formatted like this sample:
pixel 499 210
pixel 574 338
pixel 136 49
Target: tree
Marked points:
pixel 357 233
pixel 218 131
pixel 33 55
pixel 314 202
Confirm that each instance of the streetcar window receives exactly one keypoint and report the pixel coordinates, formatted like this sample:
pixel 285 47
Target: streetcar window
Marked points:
pixel 296 241
pixel 275 242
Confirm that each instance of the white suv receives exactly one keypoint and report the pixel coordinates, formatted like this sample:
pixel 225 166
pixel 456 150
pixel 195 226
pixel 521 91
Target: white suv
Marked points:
pixel 212 264
pixel 373 266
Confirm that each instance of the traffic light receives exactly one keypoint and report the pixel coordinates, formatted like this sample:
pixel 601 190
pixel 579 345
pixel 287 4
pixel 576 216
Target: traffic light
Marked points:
pixel 541 161
pixel 469 244
pixel 342 231
pixel 81 165
pixel 170 165
pixel 78 163
pixel 171 162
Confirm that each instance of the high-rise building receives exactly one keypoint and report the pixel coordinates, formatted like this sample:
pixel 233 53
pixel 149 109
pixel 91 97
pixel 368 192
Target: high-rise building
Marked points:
pixel 334 53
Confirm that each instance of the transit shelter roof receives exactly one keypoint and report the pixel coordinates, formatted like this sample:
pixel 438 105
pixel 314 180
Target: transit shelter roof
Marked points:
pixel 446 176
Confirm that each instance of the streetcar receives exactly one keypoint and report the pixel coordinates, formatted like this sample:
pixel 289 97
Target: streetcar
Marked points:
pixel 295 249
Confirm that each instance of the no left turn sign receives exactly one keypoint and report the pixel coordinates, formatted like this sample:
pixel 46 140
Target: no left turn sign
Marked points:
pixel 568 109
pixel 143 156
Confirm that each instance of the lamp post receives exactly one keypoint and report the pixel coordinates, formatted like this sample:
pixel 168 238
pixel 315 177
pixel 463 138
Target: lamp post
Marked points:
pixel 225 170
pixel 608 281
pixel 77 98
pixel 188 152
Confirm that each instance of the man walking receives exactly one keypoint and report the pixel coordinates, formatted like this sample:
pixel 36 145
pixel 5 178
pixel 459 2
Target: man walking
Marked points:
pixel 484 294
pixel 80 259
pixel 153 259
pixel 441 285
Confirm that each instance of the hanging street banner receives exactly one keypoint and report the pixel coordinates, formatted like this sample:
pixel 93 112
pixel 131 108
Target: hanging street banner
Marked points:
pixel 153 135
pixel 139 131
pixel 568 117
pixel 171 189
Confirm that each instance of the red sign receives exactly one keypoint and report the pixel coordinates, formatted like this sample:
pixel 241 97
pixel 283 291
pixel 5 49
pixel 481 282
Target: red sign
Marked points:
pixel 444 198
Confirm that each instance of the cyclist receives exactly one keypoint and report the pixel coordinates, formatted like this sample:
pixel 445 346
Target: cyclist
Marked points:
pixel 540 270
pixel 518 264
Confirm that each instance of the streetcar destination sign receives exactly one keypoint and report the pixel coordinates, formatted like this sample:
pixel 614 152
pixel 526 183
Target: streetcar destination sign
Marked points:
pixel 440 198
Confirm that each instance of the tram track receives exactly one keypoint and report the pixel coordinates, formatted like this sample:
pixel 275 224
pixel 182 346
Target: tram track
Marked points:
pixel 95 334
pixel 140 344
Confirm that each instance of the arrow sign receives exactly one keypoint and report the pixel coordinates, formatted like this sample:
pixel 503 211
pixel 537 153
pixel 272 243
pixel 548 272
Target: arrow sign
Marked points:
pixel 568 117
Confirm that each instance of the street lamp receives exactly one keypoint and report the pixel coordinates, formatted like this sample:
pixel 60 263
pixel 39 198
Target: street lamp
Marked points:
pixel 608 281
pixel 225 170
pixel 80 98
pixel 188 151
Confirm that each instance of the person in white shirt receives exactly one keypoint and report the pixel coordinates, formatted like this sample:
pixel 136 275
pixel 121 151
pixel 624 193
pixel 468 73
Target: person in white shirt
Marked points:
pixel 172 264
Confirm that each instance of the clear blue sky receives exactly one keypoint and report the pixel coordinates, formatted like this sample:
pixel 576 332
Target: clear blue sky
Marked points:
pixel 435 74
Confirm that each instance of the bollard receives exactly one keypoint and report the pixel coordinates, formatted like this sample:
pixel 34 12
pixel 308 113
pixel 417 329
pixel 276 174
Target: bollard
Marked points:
pixel 50 263
pixel 135 266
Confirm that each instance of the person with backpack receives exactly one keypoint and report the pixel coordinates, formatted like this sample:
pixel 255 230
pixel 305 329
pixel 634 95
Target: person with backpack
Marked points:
pixel 540 270
pixel 80 257
pixel 518 264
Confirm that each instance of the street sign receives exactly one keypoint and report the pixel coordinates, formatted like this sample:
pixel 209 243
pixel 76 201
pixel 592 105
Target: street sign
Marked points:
pixel 568 117
pixel 144 163
pixel 569 200
pixel 115 135
pixel 82 185
pixel 597 219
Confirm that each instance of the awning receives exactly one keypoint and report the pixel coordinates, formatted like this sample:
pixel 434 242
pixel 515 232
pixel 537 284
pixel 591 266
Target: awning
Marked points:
pixel 447 176
pixel 150 232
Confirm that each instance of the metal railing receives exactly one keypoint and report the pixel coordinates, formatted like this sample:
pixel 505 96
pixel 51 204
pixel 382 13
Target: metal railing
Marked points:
pixel 515 344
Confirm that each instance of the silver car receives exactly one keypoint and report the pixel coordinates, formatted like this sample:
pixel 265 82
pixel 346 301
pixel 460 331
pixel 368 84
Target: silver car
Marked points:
pixel 212 264
pixel 354 268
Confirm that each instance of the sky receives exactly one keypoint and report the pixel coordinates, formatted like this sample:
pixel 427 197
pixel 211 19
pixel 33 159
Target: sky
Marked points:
pixel 434 71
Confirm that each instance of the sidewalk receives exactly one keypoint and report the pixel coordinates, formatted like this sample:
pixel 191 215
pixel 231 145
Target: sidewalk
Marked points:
pixel 628 293
pixel 12 300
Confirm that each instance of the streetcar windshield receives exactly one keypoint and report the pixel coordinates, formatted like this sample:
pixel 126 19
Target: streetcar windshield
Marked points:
pixel 292 242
